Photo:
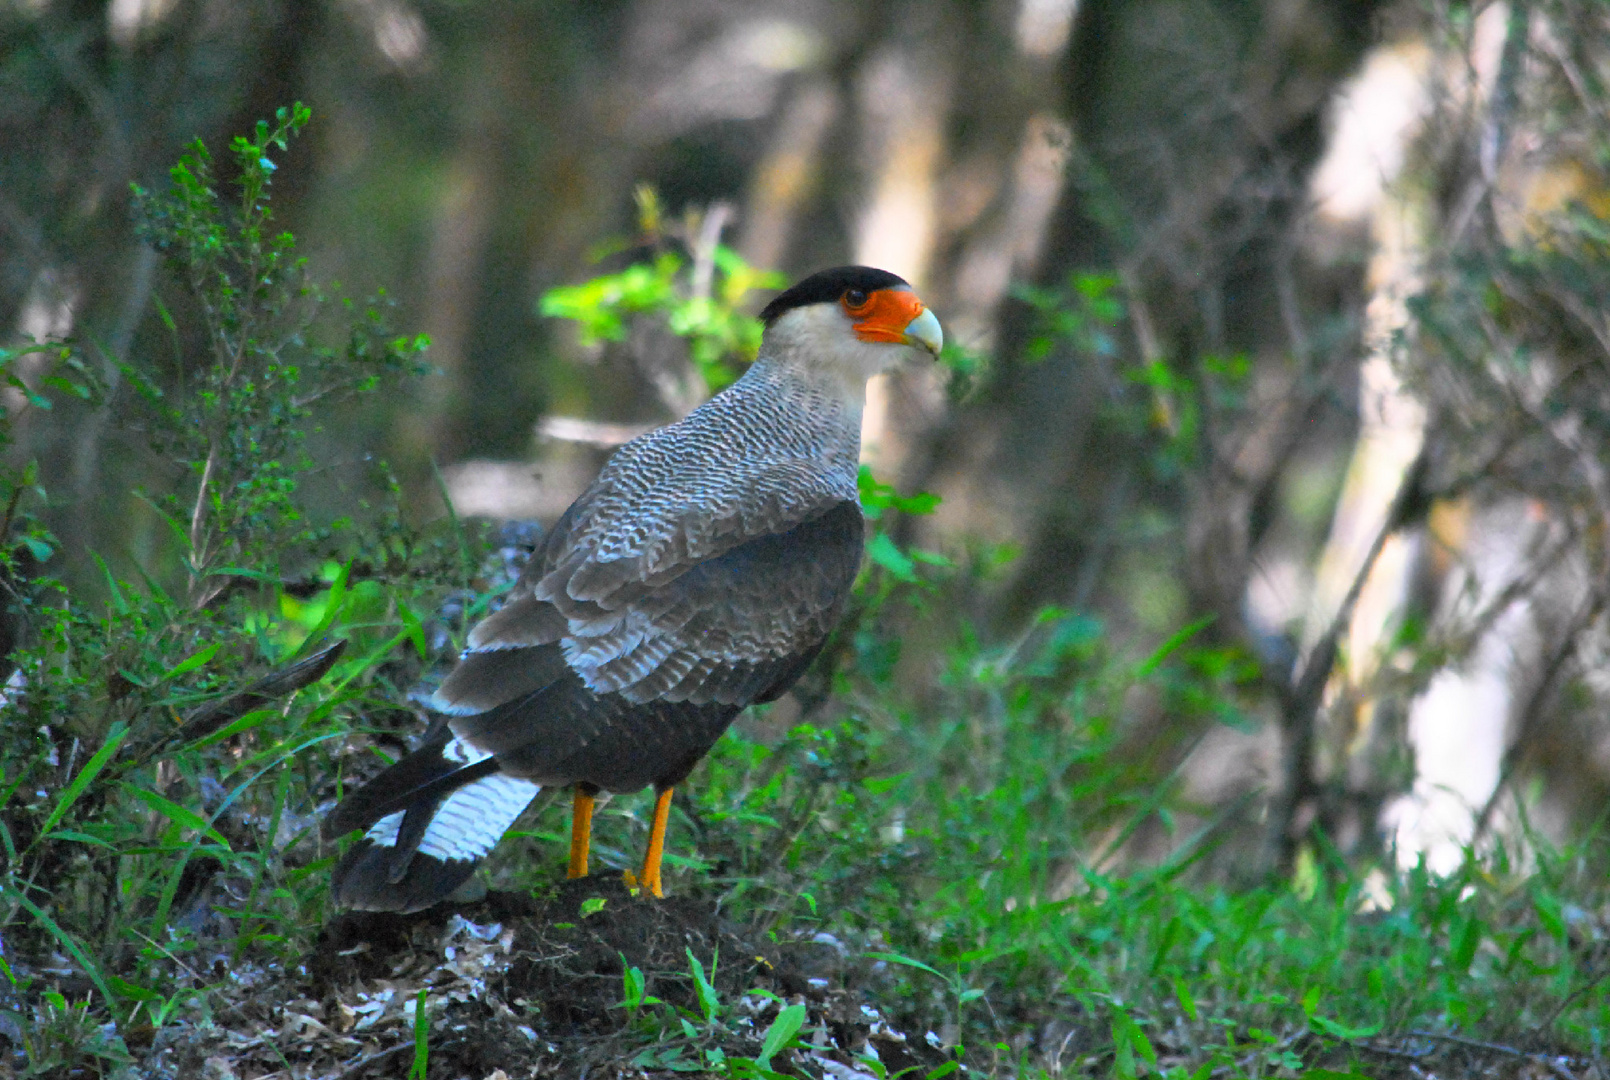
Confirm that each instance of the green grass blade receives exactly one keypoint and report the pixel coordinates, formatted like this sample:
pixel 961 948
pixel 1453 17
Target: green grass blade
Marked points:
pixel 421 1039
pixel 91 968
pixel 709 1003
pixel 1167 648
pixel 86 775
pixel 896 958
pixel 190 663
pixel 333 604
pixel 176 813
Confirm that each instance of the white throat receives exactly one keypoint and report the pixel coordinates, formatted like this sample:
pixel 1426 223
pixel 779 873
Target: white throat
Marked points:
pixel 819 342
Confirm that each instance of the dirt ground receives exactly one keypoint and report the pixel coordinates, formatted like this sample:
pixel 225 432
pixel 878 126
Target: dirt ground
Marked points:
pixel 517 988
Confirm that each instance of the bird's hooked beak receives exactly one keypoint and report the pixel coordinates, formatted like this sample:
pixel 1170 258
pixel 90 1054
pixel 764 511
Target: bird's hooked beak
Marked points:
pixel 898 317
pixel 923 332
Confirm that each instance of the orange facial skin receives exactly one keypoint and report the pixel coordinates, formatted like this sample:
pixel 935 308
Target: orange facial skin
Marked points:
pixel 885 315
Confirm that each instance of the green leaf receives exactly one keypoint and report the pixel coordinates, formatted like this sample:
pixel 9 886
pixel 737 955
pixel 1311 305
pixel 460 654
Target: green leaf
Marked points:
pixel 131 991
pixel 896 958
pixel 1167 648
pixel 1549 912
pixel 883 551
pixel 77 837
pixel 119 603
pixel 1127 1038
pixel 1465 944
pixel 709 1003
pixel 235 727
pixel 1342 1031
pixel 421 1038
pixel 593 905
pixel 780 1033
pixel 333 604
pixel 633 984
pixel 414 629
pixel 1187 1002
pixel 191 663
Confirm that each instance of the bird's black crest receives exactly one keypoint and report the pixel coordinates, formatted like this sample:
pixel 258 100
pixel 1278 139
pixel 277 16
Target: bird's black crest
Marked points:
pixel 828 285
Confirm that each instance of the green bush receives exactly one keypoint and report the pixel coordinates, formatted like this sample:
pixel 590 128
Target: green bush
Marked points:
pixel 169 741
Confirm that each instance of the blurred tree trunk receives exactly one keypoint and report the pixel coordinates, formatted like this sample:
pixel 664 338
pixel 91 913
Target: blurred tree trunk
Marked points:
pixel 1365 571
pixel 789 174
pixel 458 248
pixel 1188 174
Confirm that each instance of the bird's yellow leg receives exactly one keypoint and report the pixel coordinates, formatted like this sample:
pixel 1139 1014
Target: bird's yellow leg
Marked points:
pixel 650 878
pixel 581 830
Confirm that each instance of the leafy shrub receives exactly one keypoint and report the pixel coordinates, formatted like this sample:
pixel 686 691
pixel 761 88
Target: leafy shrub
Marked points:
pixel 167 749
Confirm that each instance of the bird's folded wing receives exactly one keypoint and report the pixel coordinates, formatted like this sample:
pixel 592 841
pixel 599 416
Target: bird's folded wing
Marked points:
pixel 729 627
pixel 623 542
pixel 725 628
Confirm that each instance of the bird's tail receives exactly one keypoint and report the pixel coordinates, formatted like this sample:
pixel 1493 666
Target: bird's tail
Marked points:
pixel 428 820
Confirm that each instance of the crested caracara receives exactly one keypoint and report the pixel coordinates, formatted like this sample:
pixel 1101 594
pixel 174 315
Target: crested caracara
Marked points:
pixel 702 571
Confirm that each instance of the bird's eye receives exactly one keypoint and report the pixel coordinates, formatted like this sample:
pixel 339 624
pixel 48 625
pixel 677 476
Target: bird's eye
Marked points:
pixel 855 299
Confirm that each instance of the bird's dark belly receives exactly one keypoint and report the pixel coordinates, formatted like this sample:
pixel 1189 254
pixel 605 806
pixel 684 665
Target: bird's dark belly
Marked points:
pixel 560 738
pixel 662 755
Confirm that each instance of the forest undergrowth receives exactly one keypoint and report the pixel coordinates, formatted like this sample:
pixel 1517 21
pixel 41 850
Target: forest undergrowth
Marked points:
pixel 883 875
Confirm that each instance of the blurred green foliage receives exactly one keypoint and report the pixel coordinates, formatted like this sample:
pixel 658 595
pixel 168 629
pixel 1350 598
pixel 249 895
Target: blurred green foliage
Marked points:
pixel 702 306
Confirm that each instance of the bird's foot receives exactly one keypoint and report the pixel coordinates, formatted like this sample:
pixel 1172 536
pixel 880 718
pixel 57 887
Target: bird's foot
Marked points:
pixel 640 886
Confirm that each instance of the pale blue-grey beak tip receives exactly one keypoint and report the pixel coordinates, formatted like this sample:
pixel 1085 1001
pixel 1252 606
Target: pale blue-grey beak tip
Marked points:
pixel 924 332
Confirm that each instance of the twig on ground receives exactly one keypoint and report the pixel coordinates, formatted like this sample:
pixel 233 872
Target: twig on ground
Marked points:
pixel 1552 1064
pixel 351 1072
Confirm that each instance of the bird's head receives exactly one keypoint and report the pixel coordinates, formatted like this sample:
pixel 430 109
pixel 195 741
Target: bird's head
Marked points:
pixel 848 323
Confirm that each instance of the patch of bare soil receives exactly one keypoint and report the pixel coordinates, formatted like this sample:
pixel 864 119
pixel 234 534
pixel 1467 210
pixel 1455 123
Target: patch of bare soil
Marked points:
pixel 515 988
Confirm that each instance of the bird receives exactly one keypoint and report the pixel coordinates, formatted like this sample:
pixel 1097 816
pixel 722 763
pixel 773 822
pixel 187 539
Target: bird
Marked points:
pixel 700 573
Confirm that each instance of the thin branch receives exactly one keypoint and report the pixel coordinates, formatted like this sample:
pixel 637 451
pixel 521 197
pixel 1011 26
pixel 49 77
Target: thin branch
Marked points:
pixel 357 1068
pixel 1564 649
pixel 588 432
pixel 1551 1064
pixel 1520 587
pixel 704 247
pixel 199 513
pixel 1300 699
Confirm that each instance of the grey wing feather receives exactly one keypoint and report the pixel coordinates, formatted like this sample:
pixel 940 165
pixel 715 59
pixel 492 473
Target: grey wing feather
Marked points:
pixel 729 631
pixel 733 630
pixel 764 455
pixel 715 632
pixel 706 558
pixel 620 549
